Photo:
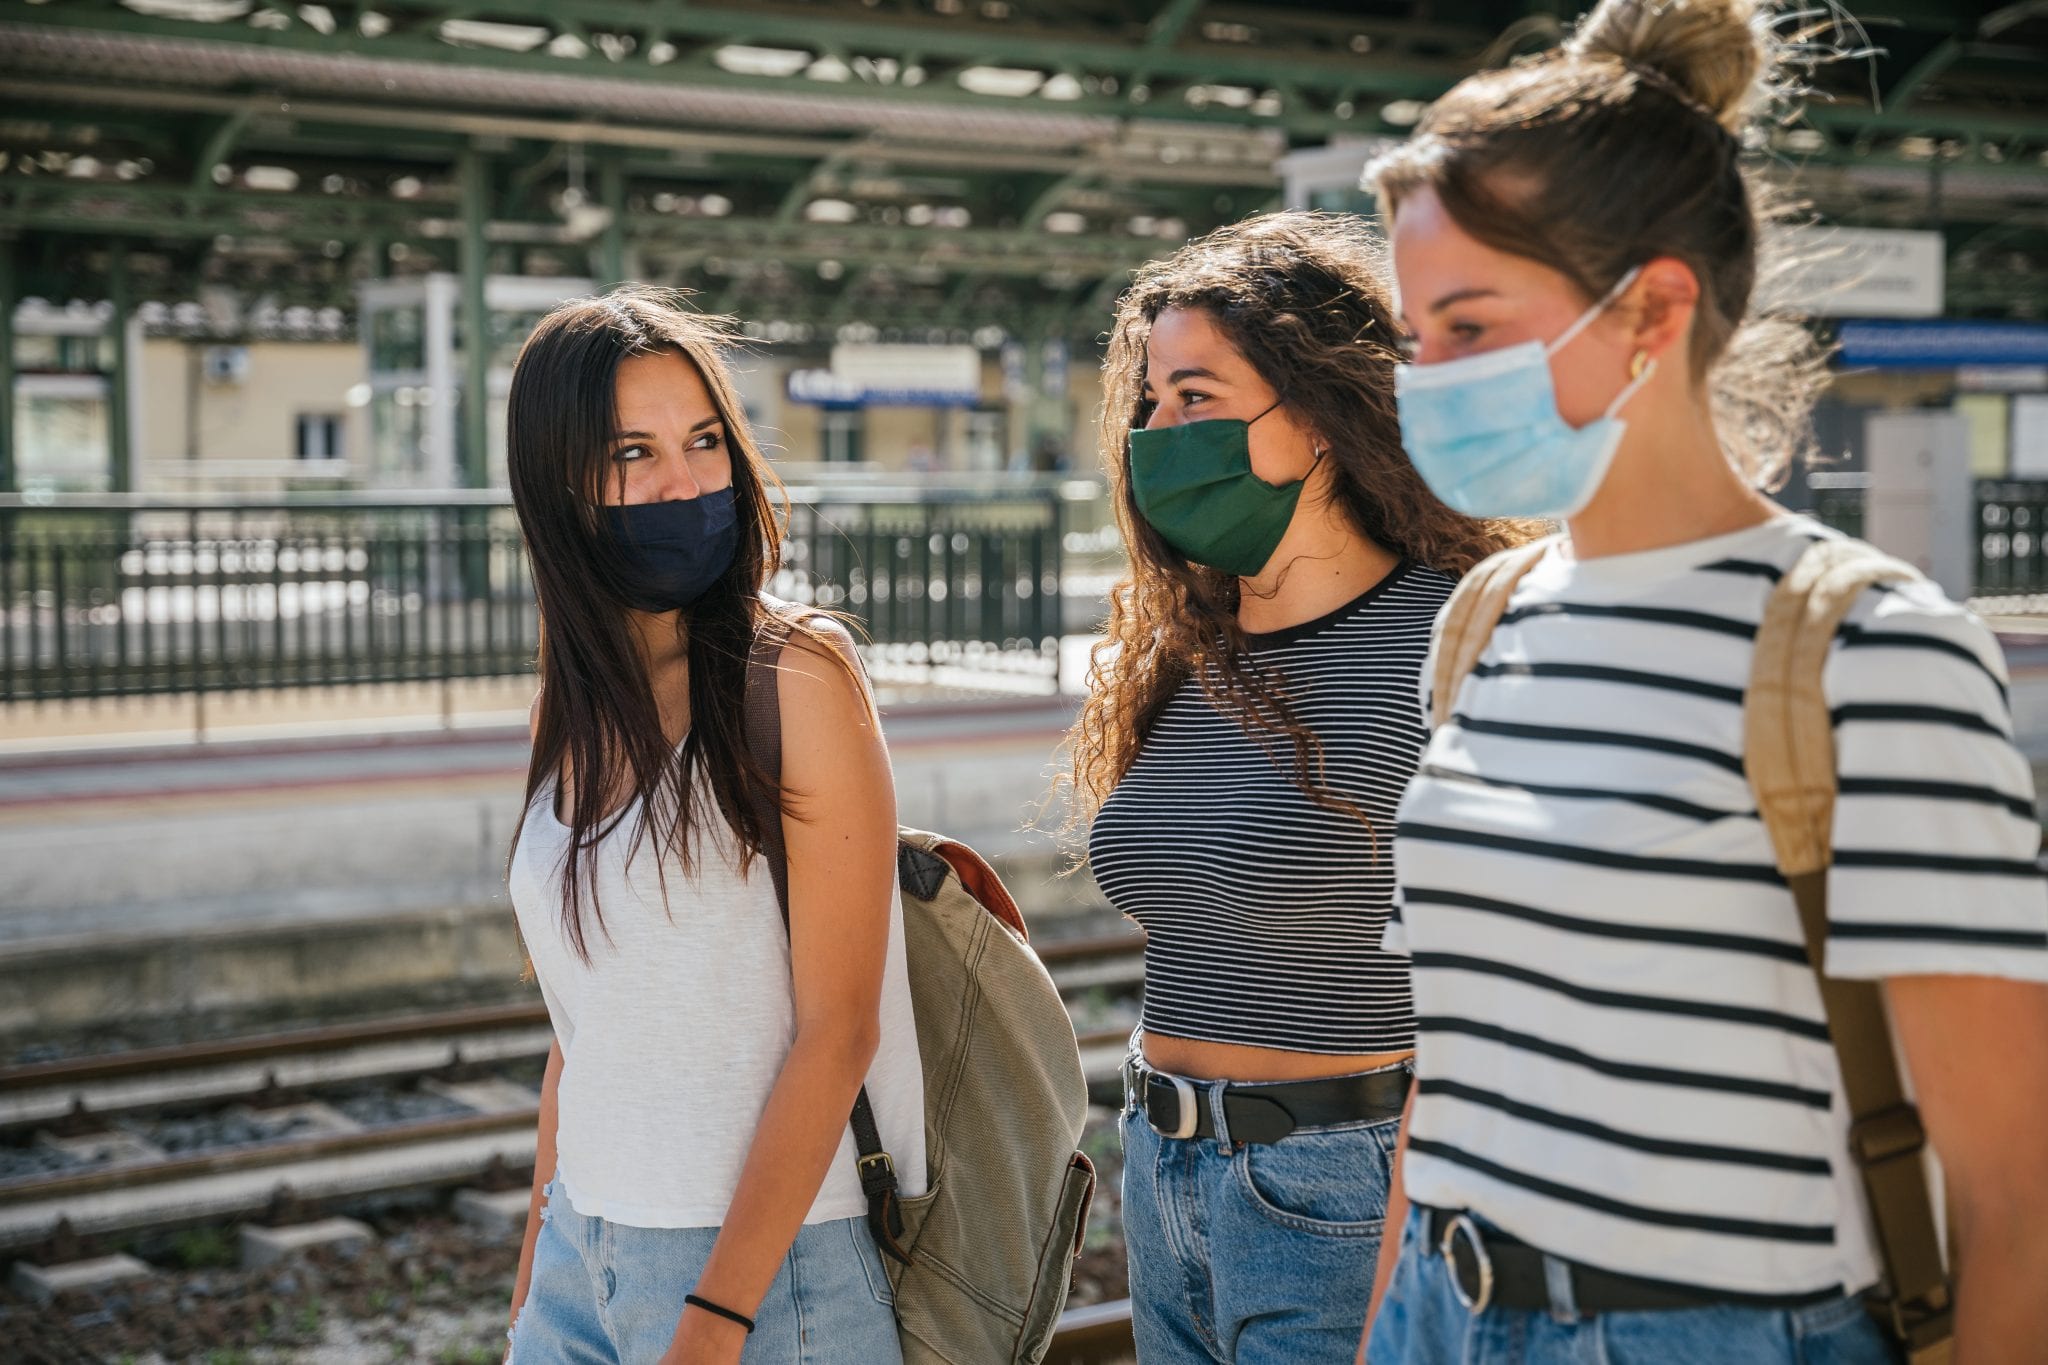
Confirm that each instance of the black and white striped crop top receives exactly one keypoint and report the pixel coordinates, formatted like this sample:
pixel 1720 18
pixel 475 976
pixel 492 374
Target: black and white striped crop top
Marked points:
pixel 1263 910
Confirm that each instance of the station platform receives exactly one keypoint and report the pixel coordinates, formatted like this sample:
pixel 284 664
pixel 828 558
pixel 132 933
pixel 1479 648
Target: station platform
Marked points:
pixel 282 868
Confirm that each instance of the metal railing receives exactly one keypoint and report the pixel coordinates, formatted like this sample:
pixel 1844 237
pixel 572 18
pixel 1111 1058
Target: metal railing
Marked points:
pixel 2012 538
pixel 129 596
pixel 2011 531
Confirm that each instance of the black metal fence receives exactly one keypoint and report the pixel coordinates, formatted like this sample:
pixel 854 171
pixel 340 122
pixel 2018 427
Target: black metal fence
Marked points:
pixel 126 596
pixel 2012 532
pixel 2012 538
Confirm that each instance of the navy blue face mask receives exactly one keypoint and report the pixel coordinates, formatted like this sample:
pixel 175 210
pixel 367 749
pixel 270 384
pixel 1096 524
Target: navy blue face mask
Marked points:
pixel 675 551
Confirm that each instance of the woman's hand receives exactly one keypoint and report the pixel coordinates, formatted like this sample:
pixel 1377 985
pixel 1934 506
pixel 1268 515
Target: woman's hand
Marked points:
pixel 705 1339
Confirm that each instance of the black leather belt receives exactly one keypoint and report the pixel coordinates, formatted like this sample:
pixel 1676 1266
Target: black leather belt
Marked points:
pixel 1265 1112
pixel 1490 1269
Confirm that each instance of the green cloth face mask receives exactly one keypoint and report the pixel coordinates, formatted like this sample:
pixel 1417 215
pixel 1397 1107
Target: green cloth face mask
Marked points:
pixel 1194 484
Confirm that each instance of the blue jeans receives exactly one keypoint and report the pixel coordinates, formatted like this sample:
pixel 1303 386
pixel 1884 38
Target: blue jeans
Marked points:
pixel 1421 1322
pixel 1257 1254
pixel 604 1292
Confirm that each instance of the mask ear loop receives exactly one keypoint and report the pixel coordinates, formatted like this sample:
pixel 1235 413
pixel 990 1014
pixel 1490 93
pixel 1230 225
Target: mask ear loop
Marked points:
pixel 1639 372
pixel 1275 403
pixel 1585 319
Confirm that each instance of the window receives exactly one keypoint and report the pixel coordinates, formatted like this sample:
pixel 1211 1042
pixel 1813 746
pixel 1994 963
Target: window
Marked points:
pixel 319 436
pixel 841 429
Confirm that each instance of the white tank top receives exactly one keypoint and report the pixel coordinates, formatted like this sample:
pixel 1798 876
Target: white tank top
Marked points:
pixel 674 1034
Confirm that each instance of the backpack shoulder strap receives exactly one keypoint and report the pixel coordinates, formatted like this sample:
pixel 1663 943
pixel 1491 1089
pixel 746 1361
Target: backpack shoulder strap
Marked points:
pixel 1788 740
pixel 1474 610
pixel 1789 755
pixel 761 715
pixel 762 712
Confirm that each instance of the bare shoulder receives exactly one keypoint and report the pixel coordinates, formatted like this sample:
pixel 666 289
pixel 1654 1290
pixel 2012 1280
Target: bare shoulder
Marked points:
pixel 823 690
pixel 533 717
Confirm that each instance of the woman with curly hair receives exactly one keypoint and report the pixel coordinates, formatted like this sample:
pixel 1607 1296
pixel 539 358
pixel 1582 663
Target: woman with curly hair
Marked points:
pixel 1252 723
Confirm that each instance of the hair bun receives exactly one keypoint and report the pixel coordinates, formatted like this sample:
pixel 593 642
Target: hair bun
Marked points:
pixel 1714 53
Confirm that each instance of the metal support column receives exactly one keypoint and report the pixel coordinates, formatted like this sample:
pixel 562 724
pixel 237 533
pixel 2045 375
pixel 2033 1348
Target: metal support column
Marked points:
pixel 611 256
pixel 10 475
pixel 476 324
pixel 120 430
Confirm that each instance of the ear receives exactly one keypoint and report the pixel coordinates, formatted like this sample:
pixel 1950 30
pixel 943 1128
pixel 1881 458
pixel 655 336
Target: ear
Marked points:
pixel 1660 305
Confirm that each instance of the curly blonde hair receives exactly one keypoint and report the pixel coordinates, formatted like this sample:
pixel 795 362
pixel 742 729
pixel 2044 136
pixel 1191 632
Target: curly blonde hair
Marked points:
pixel 1300 296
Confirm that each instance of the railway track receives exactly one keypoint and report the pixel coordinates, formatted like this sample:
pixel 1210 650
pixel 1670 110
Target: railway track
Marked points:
pixel 128 1183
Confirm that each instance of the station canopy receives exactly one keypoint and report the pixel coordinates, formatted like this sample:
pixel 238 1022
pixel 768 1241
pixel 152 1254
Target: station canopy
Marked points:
pixel 910 170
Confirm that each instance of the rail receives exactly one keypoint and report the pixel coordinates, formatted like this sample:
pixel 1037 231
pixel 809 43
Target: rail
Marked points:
pixel 130 596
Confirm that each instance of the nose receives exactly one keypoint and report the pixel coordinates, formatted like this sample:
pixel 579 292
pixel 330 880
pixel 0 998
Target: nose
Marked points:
pixel 679 482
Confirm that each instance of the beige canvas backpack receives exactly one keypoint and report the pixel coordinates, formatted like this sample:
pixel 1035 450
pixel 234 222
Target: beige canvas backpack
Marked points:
pixel 1789 757
pixel 982 1260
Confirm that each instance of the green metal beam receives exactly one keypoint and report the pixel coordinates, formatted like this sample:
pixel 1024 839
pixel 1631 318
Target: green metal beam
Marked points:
pixel 9 293
pixel 120 429
pixel 1163 32
pixel 964 44
pixel 433 135
pixel 1926 69
pixel 611 256
pixel 139 209
pixel 2011 16
pixel 1053 195
pixel 219 142
pixel 1317 78
pixel 791 208
pixel 476 323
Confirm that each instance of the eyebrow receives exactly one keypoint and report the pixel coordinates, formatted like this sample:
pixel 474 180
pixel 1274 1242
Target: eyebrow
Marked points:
pixel 710 421
pixel 1460 295
pixel 1193 372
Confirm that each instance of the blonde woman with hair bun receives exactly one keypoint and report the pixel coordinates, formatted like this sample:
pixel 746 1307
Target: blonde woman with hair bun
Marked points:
pixel 1628 1139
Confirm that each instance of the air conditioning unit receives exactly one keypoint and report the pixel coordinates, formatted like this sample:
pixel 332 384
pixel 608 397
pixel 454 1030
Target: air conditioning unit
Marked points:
pixel 226 364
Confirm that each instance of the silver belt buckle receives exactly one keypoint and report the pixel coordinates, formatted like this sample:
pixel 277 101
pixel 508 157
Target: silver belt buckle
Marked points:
pixel 1475 1304
pixel 1183 1091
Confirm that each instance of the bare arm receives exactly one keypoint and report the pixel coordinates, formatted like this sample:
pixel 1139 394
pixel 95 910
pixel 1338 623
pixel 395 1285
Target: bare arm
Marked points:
pixel 544 1140
pixel 1978 1051
pixel 841 845
pixel 1390 1236
pixel 543 1171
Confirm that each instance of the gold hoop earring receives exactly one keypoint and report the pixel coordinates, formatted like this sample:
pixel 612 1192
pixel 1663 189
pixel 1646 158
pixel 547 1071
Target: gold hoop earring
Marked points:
pixel 1638 365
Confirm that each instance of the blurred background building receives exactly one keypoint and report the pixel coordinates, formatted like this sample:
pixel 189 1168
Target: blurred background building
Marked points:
pixel 243 241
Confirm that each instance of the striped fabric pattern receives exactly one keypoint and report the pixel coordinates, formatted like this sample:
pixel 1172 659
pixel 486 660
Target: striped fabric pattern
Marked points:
pixel 1263 909
pixel 1622 1053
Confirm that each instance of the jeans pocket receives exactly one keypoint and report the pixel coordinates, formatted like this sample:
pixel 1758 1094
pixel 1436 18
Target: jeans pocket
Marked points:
pixel 1839 1332
pixel 1333 1183
pixel 870 1257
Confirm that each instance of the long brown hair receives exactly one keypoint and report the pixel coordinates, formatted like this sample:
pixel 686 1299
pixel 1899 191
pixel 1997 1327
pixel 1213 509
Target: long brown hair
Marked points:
pixel 1299 296
pixel 597 716
pixel 1624 145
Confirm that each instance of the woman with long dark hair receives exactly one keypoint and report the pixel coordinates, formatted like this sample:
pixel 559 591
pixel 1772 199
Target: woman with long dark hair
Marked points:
pixel 1252 722
pixel 695 1193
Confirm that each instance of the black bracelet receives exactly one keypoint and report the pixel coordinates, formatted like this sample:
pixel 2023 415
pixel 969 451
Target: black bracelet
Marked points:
pixel 726 1313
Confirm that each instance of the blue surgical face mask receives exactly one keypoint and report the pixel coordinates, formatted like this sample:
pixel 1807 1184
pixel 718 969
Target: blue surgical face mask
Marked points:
pixel 1486 436
pixel 675 551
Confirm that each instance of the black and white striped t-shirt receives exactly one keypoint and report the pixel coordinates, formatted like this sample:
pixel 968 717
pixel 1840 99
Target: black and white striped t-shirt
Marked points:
pixel 1263 910
pixel 1622 1053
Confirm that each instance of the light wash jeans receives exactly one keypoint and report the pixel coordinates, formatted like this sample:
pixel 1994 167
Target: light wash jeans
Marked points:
pixel 606 1294
pixel 1260 1254
pixel 1421 1322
